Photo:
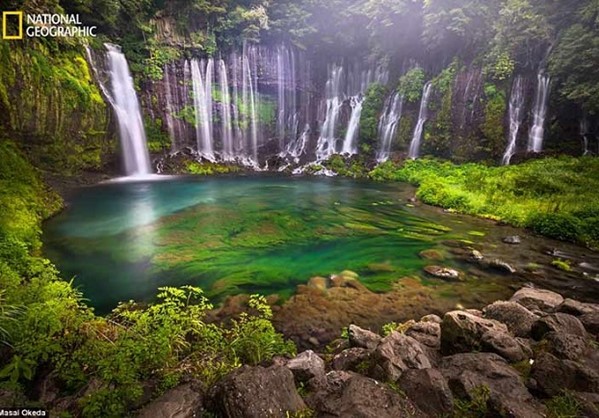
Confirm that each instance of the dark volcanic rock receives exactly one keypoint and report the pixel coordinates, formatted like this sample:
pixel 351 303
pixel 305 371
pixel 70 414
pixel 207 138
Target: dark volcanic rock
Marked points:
pixel 395 354
pixel 591 322
pixel 518 319
pixel 428 389
pixel 184 401
pixel 463 332
pixel 557 322
pixel 576 308
pixel 426 333
pixel 256 392
pixel 566 346
pixel 501 265
pixel 307 365
pixel 537 299
pixel 351 359
pixel 507 394
pixel 363 338
pixel 552 375
pixel 351 395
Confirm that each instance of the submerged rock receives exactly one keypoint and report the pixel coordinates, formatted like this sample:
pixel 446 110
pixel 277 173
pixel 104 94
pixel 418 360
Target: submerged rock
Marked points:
pixel 257 392
pixel 501 265
pixel 431 255
pixel 513 239
pixel 444 273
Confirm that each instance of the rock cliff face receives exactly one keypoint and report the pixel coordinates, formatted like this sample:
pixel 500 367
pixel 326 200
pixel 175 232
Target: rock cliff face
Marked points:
pixel 49 103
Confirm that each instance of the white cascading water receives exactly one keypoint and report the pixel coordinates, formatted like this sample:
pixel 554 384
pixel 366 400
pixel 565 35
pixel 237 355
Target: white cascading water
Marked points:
pixel 516 111
pixel 388 125
pixel 584 134
pixel 227 130
pixel 202 113
pixel 422 118
pixel 537 131
pixel 350 145
pixel 126 106
pixel 334 101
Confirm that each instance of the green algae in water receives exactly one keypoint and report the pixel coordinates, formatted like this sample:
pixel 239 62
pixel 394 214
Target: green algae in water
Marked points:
pixel 236 235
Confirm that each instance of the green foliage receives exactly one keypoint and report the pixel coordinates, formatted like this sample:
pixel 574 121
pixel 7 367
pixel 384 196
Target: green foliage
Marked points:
pixel 389 328
pixel 354 167
pixel 158 140
pixel 493 125
pixel 564 406
pixel 563 265
pixel 476 406
pixel 371 110
pixel 208 168
pixel 411 85
pixel 555 197
pixel 160 55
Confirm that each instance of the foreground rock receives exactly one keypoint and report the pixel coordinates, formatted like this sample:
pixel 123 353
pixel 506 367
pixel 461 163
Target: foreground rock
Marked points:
pixel 428 389
pixel 352 395
pixel 395 354
pixel 306 366
pixel 507 396
pixel 184 401
pixel 363 338
pixel 538 299
pixel 463 332
pixel 257 392
pixel 518 319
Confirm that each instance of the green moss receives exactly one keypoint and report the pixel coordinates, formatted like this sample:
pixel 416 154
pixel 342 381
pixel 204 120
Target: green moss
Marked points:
pixel 555 197
pixel 411 85
pixel 371 110
pixel 563 265
pixel 207 168
pixel 493 126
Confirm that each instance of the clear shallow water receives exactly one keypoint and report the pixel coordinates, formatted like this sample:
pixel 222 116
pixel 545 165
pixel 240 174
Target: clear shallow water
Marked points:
pixel 264 234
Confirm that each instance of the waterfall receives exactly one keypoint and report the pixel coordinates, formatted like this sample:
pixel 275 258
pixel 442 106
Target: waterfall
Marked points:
pixel 202 112
pixel 126 106
pixel 515 114
pixel 388 125
pixel 334 100
pixel 584 133
pixel 350 145
pixel 170 123
pixel 537 132
pixel 250 99
pixel 422 117
pixel 227 129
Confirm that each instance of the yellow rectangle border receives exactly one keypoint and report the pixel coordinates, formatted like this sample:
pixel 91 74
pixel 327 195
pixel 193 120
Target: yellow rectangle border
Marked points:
pixel 4 25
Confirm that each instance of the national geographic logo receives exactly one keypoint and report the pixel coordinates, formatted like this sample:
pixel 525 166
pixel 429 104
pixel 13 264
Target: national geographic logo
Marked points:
pixel 17 25
pixel 16 17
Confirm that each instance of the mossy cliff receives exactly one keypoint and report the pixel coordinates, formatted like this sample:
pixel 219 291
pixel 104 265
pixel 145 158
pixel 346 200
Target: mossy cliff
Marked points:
pixel 51 107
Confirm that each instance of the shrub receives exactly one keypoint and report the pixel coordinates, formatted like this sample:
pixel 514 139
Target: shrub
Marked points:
pixel 557 225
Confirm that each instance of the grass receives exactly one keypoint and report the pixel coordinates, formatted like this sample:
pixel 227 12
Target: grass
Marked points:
pixel 555 197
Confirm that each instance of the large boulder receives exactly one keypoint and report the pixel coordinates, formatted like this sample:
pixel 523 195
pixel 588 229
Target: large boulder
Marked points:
pixel 463 332
pixel 184 401
pixel 551 375
pixel 359 337
pixel 565 346
pixel 306 366
pixel 250 392
pixel 518 319
pixel 351 395
pixel 557 322
pixel 537 299
pixel 428 389
pixel 467 373
pixel 395 354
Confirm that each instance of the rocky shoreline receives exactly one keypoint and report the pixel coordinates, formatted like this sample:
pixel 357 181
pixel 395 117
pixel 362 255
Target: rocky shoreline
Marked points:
pixel 535 355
